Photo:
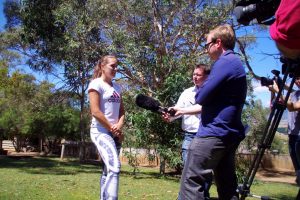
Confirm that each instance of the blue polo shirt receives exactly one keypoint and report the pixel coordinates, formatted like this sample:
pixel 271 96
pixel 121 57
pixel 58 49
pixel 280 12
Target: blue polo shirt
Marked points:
pixel 222 97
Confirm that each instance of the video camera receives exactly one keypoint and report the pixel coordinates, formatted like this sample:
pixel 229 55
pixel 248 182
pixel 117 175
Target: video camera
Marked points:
pixel 264 81
pixel 292 71
pixel 263 10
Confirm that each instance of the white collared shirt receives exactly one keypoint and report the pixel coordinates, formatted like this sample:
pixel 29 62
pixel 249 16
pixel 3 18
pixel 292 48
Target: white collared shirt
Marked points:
pixel 190 123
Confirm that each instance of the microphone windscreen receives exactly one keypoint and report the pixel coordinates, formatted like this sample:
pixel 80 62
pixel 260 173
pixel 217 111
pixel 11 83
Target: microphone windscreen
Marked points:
pixel 237 12
pixel 147 103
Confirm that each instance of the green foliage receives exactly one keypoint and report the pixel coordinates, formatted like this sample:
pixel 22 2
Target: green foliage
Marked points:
pixel 148 130
pixel 17 91
pixel 279 145
pixel 242 167
pixel 30 110
pixel 155 41
pixel 8 57
pixel 132 155
pixel 63 36
pixel 255 115
pixel 58 120
pixel 158 45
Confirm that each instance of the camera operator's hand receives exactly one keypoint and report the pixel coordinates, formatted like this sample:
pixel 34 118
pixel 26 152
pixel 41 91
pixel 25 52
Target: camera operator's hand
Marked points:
pixel 274 88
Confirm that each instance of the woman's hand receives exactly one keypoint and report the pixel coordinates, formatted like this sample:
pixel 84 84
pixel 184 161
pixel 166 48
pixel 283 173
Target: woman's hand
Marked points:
pixel 117 132
pixel 116 129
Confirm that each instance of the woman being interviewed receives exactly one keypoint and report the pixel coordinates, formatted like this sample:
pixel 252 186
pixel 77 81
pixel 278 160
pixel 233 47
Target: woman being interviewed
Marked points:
pixel 108 119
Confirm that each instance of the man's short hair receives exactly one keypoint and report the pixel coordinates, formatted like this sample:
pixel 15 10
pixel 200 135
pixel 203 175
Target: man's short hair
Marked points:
pixel 206 68
pixel 226 34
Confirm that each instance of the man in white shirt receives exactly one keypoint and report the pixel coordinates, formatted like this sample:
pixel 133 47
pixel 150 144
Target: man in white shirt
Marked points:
pixel 189 111
pixel 186 108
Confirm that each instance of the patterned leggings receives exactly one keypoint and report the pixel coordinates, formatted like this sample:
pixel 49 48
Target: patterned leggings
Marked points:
pixel 109 150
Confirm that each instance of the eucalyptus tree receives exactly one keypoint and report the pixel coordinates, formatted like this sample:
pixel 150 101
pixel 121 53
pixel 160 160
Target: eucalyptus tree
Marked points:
pixel 153 39
pixel 33 110
pixel 158 43
pixel 17 90
pixel 62 38
pixel 8 59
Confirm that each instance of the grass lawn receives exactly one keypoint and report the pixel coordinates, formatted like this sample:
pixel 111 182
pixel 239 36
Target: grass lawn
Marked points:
pixel 44 178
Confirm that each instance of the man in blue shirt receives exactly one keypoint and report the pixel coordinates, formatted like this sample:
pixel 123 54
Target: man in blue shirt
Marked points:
pixel 222 97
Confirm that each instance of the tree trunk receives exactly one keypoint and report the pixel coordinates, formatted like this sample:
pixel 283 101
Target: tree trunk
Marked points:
pixel 41 145
pixel 162 167
pixel 81 127
pixel 62 151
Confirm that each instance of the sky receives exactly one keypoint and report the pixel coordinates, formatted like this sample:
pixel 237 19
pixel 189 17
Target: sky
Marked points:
pixel 263 59
pixel 261 63
pixel 2 18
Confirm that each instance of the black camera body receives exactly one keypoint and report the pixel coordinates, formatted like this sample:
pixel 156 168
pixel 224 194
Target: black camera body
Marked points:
pixel 263 10
pixel 264 81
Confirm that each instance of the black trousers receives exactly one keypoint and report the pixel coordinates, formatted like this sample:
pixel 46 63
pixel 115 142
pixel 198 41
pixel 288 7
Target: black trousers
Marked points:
pixel 207 154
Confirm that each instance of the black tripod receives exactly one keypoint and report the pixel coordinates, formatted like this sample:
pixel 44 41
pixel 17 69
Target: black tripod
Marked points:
pixel 290 68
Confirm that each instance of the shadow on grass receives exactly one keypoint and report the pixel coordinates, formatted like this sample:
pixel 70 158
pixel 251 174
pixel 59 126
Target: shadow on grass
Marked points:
pixel 47 165
pixel 285 197
pixel 272 173
pixel 278 197
pixel 150 175
pixel 54 166
pixel 274 195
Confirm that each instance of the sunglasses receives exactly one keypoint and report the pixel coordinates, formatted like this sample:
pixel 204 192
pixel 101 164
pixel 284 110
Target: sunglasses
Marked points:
pixel 207 44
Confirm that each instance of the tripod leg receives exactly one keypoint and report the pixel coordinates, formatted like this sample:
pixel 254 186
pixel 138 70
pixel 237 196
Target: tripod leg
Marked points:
pixel 269 131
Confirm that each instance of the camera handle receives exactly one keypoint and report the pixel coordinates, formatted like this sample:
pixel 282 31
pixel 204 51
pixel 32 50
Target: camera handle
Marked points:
pixel 293 69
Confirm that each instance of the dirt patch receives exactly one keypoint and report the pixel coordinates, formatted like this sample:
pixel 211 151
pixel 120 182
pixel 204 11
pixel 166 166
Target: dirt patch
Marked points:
pixel 276 176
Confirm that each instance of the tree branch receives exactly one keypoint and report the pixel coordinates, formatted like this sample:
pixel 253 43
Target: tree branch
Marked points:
pixel 242 48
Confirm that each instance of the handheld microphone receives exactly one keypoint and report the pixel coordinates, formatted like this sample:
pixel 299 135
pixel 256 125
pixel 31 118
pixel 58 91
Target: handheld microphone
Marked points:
pixel 151 104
